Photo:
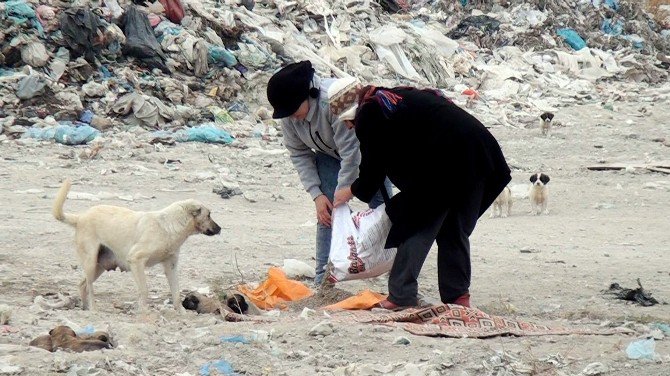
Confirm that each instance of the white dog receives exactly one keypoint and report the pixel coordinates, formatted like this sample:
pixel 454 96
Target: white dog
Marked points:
pixel 539 193
pixel 109 237
pixel 502 206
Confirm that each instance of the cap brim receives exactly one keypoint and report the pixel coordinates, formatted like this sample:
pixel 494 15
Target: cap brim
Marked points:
pixel 281 114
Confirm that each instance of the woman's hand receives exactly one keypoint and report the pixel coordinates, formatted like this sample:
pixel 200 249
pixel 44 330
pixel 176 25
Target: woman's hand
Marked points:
pixel 342 196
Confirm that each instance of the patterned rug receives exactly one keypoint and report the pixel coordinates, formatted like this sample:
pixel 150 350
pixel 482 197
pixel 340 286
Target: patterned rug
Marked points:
pixel 449 320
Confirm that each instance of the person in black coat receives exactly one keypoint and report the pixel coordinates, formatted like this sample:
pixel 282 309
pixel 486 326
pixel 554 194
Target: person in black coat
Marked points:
pixel 448 168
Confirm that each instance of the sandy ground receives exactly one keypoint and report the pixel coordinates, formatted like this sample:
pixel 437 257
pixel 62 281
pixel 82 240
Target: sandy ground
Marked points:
pixel 603 227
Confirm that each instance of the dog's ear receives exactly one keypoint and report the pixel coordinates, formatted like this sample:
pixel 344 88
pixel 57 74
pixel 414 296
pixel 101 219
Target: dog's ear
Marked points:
pixel 533 178
pixel 194 210
pixel 544 178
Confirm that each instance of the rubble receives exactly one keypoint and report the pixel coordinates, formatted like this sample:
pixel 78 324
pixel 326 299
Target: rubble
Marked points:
pixel 129 61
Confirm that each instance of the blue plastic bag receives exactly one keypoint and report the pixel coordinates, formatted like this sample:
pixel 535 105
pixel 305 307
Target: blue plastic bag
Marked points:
pixel 21 12
pixel 612 4
pixel 638 41
pixel 235 339
pixel 70 134
pixel 571 38
pixel 88 329
pixel 642 349
pixel 665 328
pixel 610 28
pixel 205 133
pixel 221 366
pixel 221 56
pixel 40 133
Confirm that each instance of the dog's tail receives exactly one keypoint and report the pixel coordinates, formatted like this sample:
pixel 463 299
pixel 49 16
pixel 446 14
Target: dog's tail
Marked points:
pixel 70 219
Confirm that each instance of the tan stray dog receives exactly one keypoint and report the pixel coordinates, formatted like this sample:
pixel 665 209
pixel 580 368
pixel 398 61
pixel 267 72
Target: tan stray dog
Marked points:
pixel 109 237
pixel 64 338
pixel 539 193
pixel 502 206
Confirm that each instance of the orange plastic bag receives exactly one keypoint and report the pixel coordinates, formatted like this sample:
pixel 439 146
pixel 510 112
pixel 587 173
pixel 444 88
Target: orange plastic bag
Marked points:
pixel 363 300
pixel 276 290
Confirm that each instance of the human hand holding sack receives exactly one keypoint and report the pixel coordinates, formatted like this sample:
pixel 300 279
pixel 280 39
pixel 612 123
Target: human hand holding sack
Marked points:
pixel 357 244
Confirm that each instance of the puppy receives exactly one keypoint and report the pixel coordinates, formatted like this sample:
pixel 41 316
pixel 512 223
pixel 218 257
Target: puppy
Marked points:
pixel 502 206
pixel 539 193
pixel 233 303
pixel 545 122
pixel 109 237
pixel 64 338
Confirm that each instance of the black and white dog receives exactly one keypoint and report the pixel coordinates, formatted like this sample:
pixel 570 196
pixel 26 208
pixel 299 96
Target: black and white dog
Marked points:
pixel 539 193
pixel 545 122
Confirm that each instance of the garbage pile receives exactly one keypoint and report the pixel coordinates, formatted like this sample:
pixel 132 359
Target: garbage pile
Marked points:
pixel 174 64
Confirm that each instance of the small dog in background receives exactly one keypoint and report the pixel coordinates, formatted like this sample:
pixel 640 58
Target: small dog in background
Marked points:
pixel 539 193
pixel 502 206
pixel 545 122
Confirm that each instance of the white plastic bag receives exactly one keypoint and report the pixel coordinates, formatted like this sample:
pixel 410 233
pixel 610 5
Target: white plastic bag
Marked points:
pixel 357 245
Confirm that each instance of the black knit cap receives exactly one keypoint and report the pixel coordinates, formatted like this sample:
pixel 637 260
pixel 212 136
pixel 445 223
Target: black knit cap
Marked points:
pixel 289 87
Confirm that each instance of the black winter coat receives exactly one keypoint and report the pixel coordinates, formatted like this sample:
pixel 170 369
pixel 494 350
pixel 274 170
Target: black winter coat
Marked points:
pixel 432 151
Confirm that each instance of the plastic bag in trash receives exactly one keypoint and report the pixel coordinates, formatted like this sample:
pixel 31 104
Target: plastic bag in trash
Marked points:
pixel 40 133
pixel 140 39
pixel 642 349
pixel 571 38
pixel 221 56
pixel 220 115
pixel 221 367
pixel 80 31
pixel 394 6
pixel 173 10
pixel 204 133
pixel 66 133
pixel 357 244
pixel 482 23
pixel 612 28
pixel 296 268
pixel 31 86
pixel 34 54
pixel 70 134
pixel 21 12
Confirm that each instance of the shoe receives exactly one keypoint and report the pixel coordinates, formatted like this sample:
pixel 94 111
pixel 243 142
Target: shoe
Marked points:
pixel 463 300
pixel 386 304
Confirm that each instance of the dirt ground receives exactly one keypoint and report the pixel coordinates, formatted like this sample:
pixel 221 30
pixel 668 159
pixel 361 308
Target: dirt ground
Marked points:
pixel 603 227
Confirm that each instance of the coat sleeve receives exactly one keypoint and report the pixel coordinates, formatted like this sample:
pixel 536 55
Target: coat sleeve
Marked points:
pixel 371 170
pixel 303 158
pixel 348 148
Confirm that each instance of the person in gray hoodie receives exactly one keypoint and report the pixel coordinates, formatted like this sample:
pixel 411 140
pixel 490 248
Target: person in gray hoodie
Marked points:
pixel 322 149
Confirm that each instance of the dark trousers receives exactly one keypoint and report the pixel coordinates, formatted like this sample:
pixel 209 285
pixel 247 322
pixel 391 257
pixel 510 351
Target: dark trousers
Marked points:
pixel 451 230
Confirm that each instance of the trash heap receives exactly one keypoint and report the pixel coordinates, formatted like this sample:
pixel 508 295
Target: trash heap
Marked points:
pixel 174 65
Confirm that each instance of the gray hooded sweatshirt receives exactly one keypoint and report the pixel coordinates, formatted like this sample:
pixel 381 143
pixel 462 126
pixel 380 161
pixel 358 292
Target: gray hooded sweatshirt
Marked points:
pixel 321 132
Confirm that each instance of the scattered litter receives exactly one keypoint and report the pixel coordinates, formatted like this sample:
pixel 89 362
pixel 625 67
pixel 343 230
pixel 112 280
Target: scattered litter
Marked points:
pixel 235 339
pixel 642 349
pixel 66 133
pixel 296 268
pixel 638 295
pixel 594 369
pixel 572 38
pixel 221 367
